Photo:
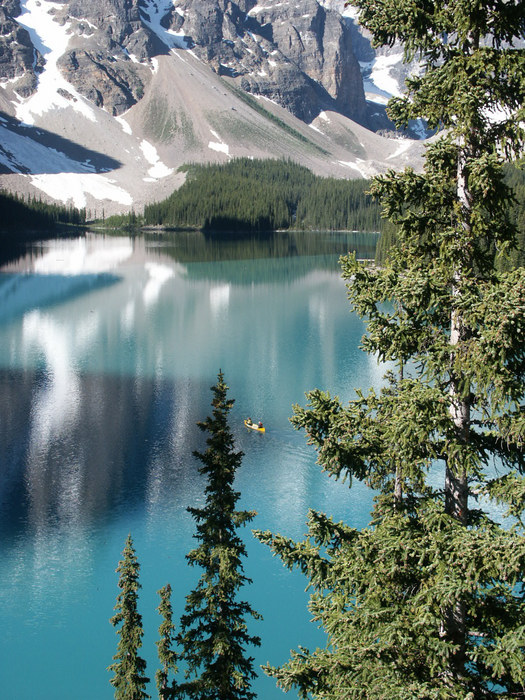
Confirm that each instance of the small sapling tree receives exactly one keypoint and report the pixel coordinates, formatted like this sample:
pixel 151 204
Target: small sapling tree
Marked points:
pixel 129 680
pixel 167 656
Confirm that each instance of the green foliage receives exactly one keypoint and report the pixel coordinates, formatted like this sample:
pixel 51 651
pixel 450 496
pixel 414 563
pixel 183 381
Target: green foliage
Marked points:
pixel 386 241
pixel 167 657
pixel 380 594
pixel 130 220
pixel 508 260
pixel 264 195
pixel 428 601
pixel 515 179
pixel 129 680
pixel 32 213
pixel 214 631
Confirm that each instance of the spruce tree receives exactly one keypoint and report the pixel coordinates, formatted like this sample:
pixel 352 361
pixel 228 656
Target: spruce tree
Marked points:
pixel 129 680
pixel 428 600
pixel 214 633
pixel 167 656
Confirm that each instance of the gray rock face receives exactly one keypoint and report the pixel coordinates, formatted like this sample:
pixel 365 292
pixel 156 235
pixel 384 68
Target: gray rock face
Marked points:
pixel 102 60
pixel 19 60
pixel 112 84
pixel 298 54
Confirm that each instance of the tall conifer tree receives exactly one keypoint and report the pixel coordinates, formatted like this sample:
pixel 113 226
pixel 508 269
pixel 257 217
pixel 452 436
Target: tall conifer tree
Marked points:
pixel 129 680
pixel 428 601
pixel 214 632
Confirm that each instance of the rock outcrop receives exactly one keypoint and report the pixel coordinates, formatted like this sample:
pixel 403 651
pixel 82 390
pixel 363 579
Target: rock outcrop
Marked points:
pixel 298 54
pixel 20 61
pixel 107 50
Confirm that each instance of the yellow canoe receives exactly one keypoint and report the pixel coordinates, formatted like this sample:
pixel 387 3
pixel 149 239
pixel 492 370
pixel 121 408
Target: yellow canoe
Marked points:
pixel 254 426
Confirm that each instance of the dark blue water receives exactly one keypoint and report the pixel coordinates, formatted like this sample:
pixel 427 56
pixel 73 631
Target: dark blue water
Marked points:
pixel 108 348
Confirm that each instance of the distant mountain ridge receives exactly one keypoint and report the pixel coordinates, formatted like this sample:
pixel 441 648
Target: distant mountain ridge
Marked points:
pixel 150 84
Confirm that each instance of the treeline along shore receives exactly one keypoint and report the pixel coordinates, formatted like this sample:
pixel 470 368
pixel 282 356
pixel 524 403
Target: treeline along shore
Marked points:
pixel 29 219
pixel 245 195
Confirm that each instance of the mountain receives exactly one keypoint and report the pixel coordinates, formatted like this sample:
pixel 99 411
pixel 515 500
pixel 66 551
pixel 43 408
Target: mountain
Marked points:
pixel 102 101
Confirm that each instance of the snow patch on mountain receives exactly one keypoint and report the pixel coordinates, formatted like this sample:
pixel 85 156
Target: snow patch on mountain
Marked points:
pixel 404 146
pixel 361 169
pixel 23 154
pixel 218 145
pixel 379 77
pixel 158 169
pixel 72 188
pixel 51 39
pixel 124 124
pixel 152 13
pixel 54 173
pixel 351 12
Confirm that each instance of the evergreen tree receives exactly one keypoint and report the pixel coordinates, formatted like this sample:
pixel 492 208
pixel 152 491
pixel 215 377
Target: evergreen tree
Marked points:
pixel 129 680
pixel 214 632
pixel 167 657
pixel 428 601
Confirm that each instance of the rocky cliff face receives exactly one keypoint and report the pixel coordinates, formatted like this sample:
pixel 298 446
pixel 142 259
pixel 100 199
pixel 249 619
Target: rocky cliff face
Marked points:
pixel 20 61
pixel 298 54
pixel 105 57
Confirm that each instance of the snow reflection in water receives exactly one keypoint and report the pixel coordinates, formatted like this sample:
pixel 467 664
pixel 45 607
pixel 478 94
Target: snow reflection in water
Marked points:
pixel 104 372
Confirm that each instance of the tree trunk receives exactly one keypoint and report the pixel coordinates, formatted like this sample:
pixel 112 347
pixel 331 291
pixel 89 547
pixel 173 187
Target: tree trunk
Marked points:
pixel 398 484
pixel 456 487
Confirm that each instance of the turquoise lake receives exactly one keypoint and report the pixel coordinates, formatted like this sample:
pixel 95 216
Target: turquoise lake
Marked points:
pixel 108 349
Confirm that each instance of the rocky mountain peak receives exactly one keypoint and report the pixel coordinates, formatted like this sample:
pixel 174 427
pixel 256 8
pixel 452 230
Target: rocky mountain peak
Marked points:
pixel 20 60
pixel 299 54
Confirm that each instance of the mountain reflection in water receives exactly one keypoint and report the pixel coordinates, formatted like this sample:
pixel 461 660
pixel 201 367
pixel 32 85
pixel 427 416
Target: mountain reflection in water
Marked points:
pixel 108 348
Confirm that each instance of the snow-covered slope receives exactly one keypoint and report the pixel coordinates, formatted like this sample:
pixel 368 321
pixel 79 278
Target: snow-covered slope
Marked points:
pixel 63 141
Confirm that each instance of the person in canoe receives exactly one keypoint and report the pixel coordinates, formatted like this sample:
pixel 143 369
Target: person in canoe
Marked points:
pixel 254 426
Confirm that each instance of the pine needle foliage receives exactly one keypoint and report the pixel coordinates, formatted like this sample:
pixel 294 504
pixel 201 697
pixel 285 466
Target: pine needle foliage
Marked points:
pixel 167 656
pixel 129 680
pixel 515 179
pixel 428 601
pixel 514 256
pixel 213 630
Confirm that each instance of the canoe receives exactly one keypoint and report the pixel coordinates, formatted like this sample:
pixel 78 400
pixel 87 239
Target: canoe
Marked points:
pixel 254 426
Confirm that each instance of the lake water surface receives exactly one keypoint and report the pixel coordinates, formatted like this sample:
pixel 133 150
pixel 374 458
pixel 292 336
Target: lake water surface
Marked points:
pixel 108 349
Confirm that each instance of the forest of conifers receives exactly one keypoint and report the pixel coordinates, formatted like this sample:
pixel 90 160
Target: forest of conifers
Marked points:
pixel 265 195
pixel 32 213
